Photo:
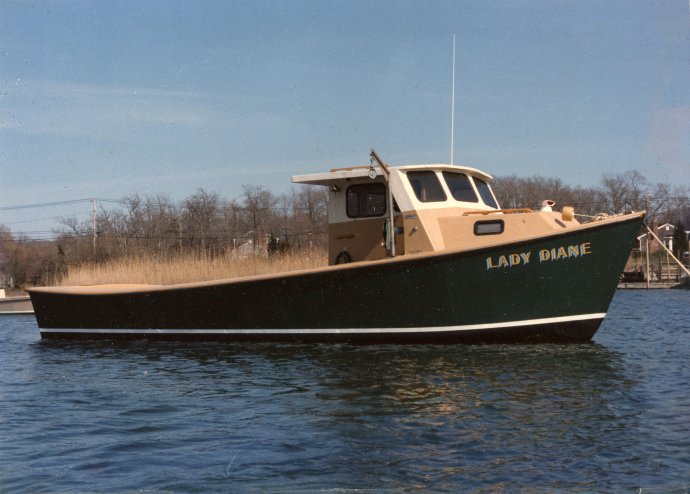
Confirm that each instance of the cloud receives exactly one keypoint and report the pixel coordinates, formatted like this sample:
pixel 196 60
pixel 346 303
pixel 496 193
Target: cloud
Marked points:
pixel 141 115
pixel 112 113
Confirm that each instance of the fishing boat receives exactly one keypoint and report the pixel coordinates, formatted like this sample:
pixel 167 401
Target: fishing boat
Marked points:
pixel 417 254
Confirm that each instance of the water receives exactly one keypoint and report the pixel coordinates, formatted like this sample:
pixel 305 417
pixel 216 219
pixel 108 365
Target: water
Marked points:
pixel 611 416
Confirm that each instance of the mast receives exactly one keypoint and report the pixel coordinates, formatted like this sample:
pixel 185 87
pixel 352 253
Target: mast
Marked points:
pixel 452 110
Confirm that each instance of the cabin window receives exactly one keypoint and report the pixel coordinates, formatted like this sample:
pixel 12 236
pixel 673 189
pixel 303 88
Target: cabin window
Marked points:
pixel 426 186
pixel 492 227
pixel 460 187
pixel 366 200
pixel 486 194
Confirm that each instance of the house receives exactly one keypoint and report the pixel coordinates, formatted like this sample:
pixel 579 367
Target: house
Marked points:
pixel 665 233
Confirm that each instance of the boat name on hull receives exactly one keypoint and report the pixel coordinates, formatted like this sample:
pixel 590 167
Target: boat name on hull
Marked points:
pixel 544 255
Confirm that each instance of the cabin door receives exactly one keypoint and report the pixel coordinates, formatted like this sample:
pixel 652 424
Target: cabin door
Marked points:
pixel 362 236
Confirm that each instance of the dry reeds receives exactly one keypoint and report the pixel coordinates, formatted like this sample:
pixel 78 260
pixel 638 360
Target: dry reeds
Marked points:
pixel 158 270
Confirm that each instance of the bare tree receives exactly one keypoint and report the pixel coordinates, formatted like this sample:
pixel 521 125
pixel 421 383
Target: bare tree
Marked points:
pixel 616 192
pixel 233 221
pixel 311 202
pixel 258 203
pixel 26 262
pixel 626 191
pixel 518 192
pixel 202 213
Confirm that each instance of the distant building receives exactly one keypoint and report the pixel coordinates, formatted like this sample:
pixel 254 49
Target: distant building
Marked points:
pixel 665 233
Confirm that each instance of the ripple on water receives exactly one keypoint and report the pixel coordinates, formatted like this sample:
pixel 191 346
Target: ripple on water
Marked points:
pixel 607 416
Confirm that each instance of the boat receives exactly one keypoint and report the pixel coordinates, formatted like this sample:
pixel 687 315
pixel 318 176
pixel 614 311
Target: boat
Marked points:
pixel 417 254
pixel 19 304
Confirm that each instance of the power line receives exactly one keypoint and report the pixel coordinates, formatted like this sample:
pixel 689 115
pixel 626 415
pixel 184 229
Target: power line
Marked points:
pixel 46 219
pixel 56 203
pixel 41 205
pixel 51 235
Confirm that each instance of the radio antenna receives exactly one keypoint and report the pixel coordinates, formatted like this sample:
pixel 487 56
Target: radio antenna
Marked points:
pixel 452 110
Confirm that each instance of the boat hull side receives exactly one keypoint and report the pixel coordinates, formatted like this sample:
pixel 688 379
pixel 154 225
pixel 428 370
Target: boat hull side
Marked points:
pixel 494 286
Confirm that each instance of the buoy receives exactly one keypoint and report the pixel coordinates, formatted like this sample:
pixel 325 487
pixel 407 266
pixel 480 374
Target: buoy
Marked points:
pixel 568 213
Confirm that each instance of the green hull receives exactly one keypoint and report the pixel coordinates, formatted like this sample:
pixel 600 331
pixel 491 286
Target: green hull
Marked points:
pixel 555 288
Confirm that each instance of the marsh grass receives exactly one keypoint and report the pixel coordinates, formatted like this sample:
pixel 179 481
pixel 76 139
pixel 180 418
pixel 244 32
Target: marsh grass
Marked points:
pixel 159 270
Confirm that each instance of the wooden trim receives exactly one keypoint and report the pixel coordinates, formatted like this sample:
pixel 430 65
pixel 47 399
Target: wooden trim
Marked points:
pixel 348 169
pixel 504 211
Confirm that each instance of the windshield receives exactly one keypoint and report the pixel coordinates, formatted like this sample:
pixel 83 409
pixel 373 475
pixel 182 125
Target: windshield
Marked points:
pixel 485 192
pixel 426 186
pixel 460 187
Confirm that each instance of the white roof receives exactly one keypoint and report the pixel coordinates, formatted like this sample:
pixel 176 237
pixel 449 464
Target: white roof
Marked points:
pixel 333 176
pixel 338 174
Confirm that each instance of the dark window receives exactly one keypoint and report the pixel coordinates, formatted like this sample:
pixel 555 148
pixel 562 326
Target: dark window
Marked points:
pixel 426 186
pixel 366 200
pixel 493 227
pixel 460 187
pixel 485 192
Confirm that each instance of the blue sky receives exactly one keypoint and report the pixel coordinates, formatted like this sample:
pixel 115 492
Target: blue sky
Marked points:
pixel 109 98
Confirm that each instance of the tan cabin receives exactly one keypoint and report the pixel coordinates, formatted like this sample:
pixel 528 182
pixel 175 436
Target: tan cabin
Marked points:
pixel 433 207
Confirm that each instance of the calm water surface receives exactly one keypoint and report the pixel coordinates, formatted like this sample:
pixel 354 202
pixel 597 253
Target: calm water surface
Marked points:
pixel 611 416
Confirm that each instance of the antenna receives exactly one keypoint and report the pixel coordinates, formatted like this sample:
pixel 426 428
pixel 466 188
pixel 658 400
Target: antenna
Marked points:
pixel 452 110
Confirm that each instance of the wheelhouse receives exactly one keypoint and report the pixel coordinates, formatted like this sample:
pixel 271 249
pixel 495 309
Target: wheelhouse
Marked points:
pixel 383 211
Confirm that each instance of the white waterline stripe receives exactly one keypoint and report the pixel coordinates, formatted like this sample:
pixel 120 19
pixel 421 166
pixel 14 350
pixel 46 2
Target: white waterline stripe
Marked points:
pixel 438 329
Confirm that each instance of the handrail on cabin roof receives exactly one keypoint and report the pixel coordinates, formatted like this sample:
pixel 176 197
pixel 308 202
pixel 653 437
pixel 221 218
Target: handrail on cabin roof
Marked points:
pixel 348 168
pixel 492 211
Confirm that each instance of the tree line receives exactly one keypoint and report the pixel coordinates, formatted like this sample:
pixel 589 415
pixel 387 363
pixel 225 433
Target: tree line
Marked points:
pixel 205 223
pixel 260 222
pixel 617 193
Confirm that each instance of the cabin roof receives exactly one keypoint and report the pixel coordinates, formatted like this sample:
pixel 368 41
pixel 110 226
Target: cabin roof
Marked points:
pixel 338 174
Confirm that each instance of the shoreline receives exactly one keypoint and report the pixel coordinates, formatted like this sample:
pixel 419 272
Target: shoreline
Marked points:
pixel 642 285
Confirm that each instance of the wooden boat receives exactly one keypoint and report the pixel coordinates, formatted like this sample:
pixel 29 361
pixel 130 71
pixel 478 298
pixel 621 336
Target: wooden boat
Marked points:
pixel 417 254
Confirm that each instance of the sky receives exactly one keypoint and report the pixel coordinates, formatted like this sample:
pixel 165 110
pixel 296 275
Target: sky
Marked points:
pixel 110 98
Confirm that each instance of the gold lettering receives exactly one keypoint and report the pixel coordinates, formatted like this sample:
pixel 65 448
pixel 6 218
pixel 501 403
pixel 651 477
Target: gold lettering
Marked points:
pixel 524 258
pixel 562 252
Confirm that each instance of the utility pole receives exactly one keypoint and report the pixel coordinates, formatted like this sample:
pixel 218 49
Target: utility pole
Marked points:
pixel 93 218
pixel 647 255
pixel 646 249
